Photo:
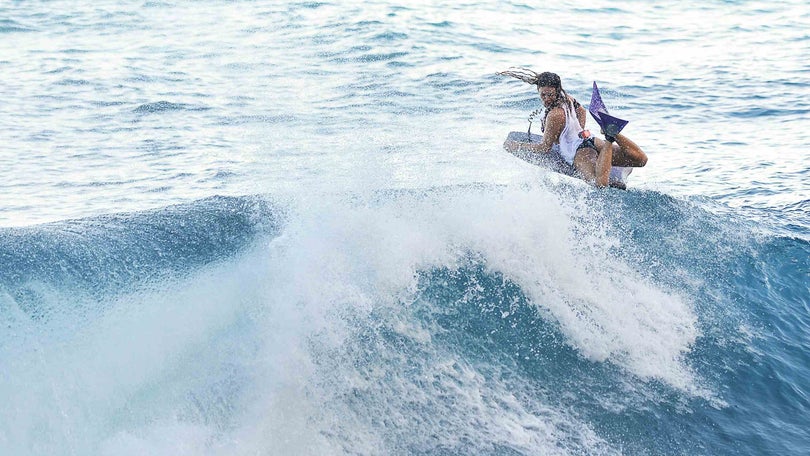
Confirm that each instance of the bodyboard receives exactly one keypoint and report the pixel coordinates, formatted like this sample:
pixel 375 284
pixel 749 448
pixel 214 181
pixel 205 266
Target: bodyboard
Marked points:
pixel 525 146
pixel 522 145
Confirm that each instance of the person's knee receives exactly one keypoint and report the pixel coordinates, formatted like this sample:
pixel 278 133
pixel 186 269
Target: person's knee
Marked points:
pixel 601 181
pixel 636 157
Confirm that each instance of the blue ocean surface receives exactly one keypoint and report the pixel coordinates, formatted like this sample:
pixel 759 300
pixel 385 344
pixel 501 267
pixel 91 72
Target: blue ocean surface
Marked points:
pixel 290 228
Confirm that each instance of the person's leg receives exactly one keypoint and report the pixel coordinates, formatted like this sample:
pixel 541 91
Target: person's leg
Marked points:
pixel 595 167
pixel 585 163
pixel 627 153
pixel 603 163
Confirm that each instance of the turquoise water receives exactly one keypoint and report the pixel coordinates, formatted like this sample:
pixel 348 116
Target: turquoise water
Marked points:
pixel 291 228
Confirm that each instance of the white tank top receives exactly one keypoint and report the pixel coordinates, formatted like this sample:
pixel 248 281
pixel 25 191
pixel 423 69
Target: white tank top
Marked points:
pixel 569 138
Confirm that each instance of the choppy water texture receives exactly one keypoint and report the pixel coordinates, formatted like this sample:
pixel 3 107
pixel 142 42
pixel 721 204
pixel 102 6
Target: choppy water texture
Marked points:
pixel 290 228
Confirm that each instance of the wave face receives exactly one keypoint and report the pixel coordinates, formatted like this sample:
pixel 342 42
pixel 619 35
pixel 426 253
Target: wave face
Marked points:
pixel 456 320
pixel 106 254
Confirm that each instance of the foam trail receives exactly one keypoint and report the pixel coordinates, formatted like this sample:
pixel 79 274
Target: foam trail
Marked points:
pixel 345 270
pixel 607 310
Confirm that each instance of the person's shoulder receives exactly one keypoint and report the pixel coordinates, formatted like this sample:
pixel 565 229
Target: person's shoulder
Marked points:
pixel 556 113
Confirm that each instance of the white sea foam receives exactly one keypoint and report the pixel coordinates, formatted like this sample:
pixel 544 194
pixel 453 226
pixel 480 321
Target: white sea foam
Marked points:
pixel 359 252
pixel 251 355
pixel 344 258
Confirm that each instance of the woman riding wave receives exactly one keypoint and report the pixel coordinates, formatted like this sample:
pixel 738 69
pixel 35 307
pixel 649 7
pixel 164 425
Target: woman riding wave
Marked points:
pixel 601 162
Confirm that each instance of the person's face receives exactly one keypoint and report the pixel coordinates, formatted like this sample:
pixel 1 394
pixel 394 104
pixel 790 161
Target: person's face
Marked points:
pixel 547 95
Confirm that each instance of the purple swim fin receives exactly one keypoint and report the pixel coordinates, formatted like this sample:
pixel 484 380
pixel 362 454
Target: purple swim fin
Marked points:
pixel 611 126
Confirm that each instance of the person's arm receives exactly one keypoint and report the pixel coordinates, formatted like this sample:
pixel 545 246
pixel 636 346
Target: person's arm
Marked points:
pixel 582 115
pixel 555 122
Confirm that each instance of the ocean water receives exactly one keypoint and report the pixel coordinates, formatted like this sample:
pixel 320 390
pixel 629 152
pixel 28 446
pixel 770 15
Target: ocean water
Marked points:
pixel 290 228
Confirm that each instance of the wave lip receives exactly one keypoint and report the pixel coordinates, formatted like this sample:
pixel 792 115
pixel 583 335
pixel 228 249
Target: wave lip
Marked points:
pixel 110 253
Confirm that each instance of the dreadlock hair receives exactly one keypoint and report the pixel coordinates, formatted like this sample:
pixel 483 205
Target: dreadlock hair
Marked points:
pixel 545 79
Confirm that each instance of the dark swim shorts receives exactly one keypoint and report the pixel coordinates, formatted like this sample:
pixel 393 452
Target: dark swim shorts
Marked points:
pixel 588 143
